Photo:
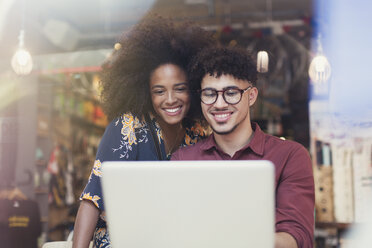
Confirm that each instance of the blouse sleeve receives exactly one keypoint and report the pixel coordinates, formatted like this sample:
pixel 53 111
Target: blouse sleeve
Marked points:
pixel 117 144
pixel 195 133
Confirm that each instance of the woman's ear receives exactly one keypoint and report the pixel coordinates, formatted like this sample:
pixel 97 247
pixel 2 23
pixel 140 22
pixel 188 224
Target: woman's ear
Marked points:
pixel 252 94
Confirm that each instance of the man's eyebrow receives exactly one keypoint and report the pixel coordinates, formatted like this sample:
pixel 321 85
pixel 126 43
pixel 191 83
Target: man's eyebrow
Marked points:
pixel 225 88
pixel 230 87
pixel 209 88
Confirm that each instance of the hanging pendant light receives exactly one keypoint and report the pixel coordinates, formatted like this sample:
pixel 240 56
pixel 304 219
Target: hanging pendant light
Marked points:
pixel 22 61
pixel 263 56
pixel 262 62
pixel 320 69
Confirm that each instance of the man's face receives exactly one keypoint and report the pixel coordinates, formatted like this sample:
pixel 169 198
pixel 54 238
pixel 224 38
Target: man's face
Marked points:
pixel 223 117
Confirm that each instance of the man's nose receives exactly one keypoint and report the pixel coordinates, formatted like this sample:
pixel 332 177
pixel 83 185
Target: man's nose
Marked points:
pixel 220 102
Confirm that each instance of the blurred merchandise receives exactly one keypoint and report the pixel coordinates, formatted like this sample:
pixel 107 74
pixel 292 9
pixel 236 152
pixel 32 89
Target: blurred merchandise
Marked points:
pixel 73 123
pixel 323 194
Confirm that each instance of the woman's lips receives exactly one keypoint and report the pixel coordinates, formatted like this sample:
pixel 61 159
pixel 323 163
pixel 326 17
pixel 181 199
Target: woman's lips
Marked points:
pixel 173 111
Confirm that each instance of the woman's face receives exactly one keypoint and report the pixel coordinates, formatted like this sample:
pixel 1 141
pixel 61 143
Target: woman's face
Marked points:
pixel 170 93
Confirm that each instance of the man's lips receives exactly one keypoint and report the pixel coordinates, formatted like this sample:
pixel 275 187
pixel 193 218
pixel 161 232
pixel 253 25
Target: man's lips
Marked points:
pixel 222 117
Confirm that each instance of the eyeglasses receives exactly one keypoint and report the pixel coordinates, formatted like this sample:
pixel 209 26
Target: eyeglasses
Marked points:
pixel 230 95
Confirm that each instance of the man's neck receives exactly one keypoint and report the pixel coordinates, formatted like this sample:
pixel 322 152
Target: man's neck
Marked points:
pixel 233 142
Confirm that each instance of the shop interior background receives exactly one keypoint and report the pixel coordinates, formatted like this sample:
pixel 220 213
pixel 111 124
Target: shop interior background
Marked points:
pixel 51 121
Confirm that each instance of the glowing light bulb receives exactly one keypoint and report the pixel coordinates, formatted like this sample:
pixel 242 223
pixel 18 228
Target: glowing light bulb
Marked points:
pixel 320 69
pixel 117 46
pixel 22 62
pixel 262 62
pixel 22 56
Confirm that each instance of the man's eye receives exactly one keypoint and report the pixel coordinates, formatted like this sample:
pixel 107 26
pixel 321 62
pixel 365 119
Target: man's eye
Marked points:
pixel 209 93
pixel 231 92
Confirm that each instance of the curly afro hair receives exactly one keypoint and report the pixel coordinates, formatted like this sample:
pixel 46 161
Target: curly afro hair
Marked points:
pixel 153 42
pixel 217 61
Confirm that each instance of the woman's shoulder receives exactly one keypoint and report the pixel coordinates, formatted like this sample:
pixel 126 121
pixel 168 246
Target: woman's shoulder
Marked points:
pixel 130 119
pixel 125 121
pixel 198 127
pixel 121 137
pixel 196 131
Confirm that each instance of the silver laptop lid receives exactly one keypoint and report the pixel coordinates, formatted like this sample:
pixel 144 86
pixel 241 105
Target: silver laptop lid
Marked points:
pixel 189 204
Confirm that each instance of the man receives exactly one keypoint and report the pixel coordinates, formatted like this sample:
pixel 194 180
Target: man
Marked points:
pixel 225 81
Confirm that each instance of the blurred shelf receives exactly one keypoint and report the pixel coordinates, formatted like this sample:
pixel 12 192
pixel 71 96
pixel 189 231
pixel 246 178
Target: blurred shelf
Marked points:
pixel 332 225
pixel 84 122
pixel 41 163
pixel 44 106
pixel 44 219
pixel 41 191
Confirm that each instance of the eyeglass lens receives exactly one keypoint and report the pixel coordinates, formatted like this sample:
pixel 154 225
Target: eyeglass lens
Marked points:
pixel 231 96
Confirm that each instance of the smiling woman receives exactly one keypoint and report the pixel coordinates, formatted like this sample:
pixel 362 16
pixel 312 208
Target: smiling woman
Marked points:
pixel 169 93
pixel 146 96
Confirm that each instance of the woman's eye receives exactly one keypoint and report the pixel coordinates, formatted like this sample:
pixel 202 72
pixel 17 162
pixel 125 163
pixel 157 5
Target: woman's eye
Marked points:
pixel 158 92
pixel 181 90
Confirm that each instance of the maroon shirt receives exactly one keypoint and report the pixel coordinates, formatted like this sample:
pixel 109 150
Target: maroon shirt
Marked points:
pixel 294 182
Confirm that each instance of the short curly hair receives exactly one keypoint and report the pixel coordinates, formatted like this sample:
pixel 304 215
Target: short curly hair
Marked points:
pixel 153 42
pixel 217 61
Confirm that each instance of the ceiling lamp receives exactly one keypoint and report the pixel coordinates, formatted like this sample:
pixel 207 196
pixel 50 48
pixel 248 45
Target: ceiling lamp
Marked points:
pixel 262 56
pixel 22 61
pixel 320 69
pixel 262 62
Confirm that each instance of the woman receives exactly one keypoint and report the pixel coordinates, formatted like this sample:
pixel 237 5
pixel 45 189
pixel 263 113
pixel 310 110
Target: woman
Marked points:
pixel 145 94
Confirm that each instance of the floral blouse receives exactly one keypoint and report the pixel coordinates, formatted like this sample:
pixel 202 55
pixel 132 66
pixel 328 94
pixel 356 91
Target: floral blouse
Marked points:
pixel 127 138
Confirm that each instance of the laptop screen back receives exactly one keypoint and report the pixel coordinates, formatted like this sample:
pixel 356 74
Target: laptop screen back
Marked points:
pixel 189 204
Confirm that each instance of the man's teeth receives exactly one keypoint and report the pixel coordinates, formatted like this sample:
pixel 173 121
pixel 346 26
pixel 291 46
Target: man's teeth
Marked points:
pixel 222 115
pixel 172 110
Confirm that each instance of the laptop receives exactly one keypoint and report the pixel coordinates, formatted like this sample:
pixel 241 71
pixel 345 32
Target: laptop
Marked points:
pixel 189 204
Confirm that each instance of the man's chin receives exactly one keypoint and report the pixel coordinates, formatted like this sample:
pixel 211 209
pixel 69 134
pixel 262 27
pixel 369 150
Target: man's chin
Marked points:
pixel 224 132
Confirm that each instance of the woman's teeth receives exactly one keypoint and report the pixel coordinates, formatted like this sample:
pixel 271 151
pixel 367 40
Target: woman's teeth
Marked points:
pixel 173 110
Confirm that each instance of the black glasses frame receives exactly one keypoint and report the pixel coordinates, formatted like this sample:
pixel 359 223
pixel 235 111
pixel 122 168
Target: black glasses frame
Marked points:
pixel 242 91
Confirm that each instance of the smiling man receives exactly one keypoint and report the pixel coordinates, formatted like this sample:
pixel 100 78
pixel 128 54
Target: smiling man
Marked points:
pixel 225 79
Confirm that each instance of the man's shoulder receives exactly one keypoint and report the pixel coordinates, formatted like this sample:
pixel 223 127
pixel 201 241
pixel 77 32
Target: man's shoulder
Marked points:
pixel 280 143
pixel 192 152
pixel 287 153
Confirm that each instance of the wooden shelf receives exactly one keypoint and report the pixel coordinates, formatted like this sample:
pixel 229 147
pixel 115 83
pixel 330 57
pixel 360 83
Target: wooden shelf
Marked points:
pixel 41 163
pixel 332 225
pixel 44 219
pixel 83 122
pixel 44 106
pixel 43 135
pixel 41 191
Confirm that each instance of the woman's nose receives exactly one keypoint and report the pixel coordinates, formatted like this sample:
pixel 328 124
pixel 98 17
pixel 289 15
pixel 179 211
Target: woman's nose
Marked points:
pixel 171 98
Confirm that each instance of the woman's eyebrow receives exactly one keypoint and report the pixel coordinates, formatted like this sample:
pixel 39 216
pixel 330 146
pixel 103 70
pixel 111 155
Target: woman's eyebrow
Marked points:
pixel 179 84
pixel 157 86
pixel 175 85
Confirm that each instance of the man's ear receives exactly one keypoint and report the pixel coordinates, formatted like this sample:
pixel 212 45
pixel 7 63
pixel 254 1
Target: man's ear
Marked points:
pixel 253 93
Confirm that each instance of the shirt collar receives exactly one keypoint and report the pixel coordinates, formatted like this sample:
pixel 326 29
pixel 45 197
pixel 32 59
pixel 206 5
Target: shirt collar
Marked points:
pixel 209 143
pixel 256 144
